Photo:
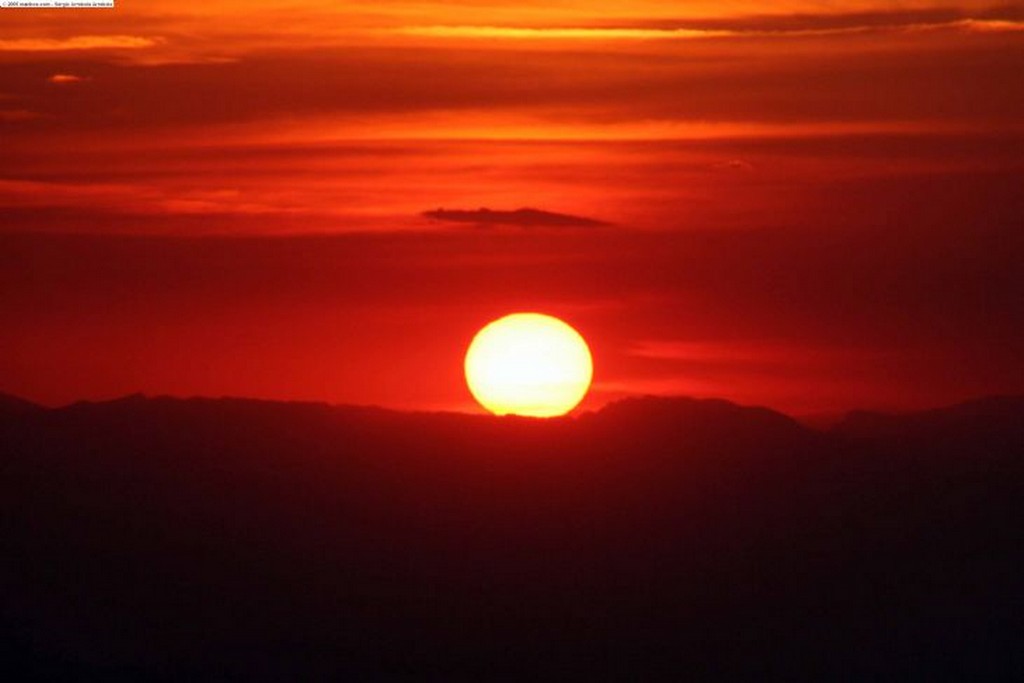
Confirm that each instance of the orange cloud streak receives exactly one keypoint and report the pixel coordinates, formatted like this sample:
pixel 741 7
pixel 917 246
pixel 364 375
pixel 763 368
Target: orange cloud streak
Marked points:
pixel 97 42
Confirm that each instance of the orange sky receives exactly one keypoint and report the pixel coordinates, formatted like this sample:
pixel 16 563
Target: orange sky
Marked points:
pixel 812 205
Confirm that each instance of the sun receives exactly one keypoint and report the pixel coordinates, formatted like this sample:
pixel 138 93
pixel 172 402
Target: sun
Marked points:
pixel 529 364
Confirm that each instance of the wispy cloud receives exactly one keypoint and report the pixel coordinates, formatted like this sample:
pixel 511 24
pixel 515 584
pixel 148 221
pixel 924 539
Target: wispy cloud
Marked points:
pixel 90 42
pixel 559 33
pixel 137 198
pixel 989 25
pixel 755 27
pixel 62 79
pixel 524 218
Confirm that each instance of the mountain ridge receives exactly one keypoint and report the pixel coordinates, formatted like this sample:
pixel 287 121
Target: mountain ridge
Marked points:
pixel 855 422
pixel 213 539
pixel 999 412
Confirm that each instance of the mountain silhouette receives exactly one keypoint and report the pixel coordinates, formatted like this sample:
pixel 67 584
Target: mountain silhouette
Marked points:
pixel 994 415
pixel 12 405
pixel 231 539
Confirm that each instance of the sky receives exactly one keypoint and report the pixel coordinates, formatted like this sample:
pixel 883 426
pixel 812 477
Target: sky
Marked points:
pixel 808 205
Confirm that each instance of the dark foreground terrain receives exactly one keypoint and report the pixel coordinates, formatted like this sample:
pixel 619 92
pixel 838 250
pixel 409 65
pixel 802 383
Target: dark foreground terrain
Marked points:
pixel 164 539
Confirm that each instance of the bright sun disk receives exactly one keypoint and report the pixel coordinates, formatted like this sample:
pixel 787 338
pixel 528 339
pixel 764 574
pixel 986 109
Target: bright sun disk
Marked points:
pixel 529 364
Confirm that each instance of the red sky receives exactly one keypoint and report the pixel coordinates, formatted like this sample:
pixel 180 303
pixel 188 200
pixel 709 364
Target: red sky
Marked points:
pixel 812 205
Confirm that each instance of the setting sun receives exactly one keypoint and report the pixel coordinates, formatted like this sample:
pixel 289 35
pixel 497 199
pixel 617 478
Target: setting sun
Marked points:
pixel 528 364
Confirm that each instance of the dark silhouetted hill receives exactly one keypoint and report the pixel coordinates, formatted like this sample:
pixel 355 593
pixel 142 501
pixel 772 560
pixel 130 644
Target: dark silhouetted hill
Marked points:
pixel 996 415
pixel 200 539
pixel 12 405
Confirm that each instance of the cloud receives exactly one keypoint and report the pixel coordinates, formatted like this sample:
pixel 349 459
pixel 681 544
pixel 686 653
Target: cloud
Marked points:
pixel 525 218
pixel 995 20
pixel 94 200
pixel 731 89
pixel 61 79
pixel 120 42
pixel 801 23
pixel 558 33
pixel 990 26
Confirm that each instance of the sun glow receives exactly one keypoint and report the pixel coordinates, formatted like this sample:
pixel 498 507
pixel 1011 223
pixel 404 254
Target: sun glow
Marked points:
pixel 529 364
